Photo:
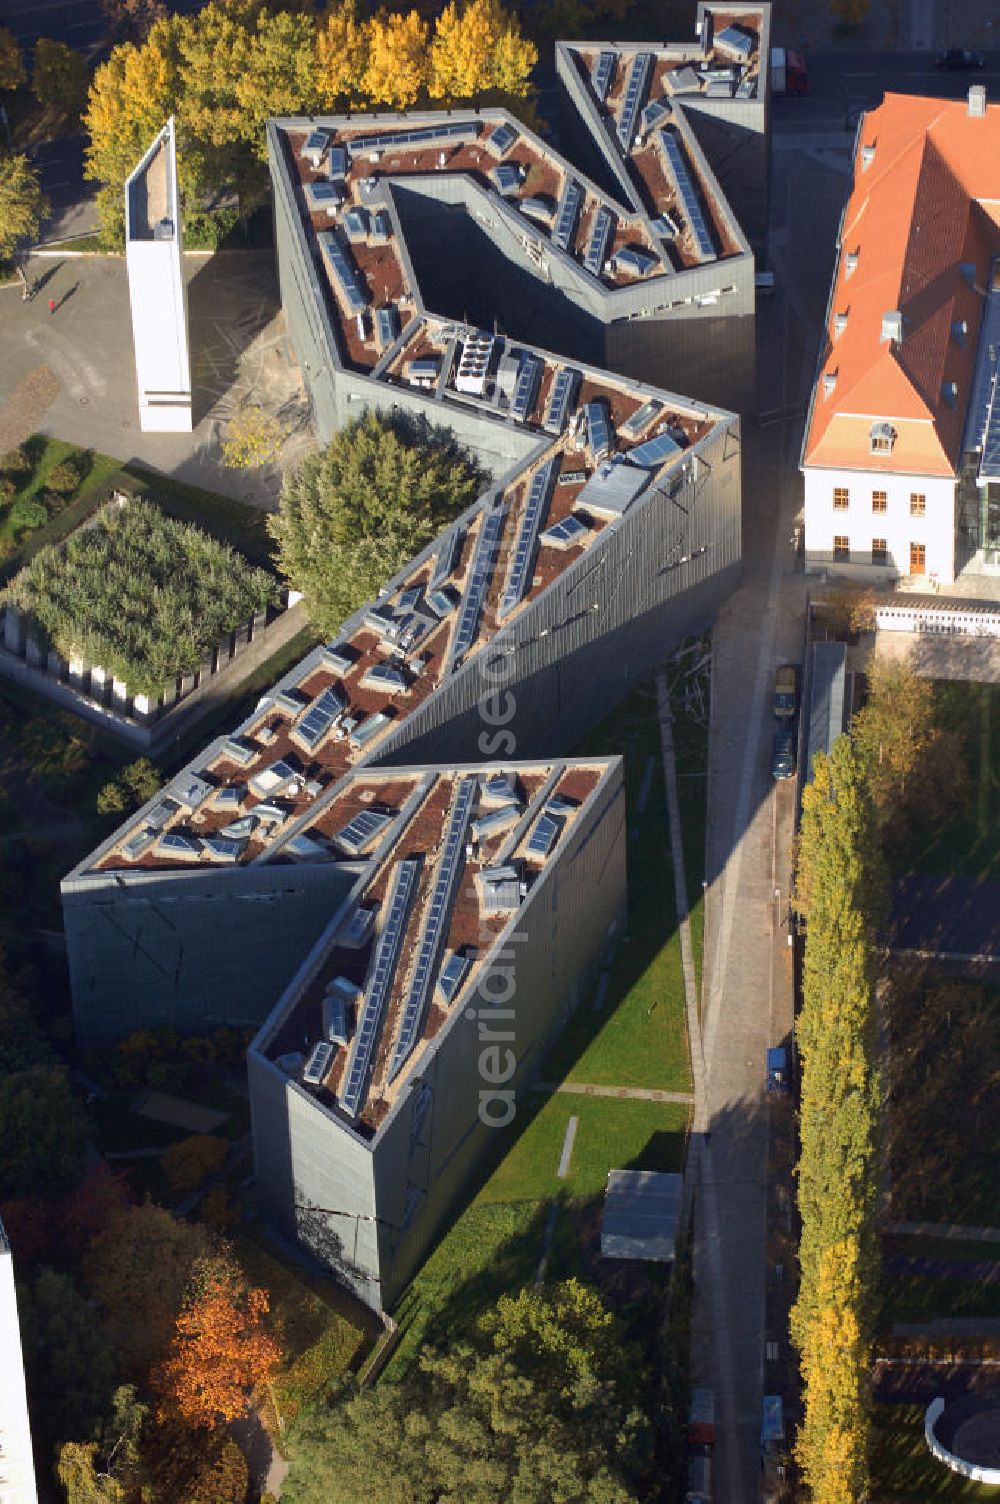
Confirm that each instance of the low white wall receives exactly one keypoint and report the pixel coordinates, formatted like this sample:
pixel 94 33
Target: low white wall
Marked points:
pixel 988 1475
pixel 939 619
pixel 140 721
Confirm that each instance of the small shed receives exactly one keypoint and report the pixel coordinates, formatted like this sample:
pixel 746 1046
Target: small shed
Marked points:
pixel 641 1212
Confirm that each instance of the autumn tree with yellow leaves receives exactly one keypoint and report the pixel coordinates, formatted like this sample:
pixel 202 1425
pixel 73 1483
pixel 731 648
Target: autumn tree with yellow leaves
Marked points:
pixel 131 97
pixel 342 38
pixel 397 66
pixel 222 72
pixel 841 890
pixel 12 71
pixel 477 48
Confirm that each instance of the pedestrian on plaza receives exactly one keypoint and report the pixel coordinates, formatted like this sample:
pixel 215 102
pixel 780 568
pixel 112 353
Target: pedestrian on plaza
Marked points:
pixel 52 305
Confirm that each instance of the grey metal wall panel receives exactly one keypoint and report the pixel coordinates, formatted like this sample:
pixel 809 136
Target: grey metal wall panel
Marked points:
pixel 307 1161
pixel 713 353
pixel 189 951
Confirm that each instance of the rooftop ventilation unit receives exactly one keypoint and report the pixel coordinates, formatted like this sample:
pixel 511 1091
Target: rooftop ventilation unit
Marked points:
pixel 892 326
pixel 867 156
pixel 977 100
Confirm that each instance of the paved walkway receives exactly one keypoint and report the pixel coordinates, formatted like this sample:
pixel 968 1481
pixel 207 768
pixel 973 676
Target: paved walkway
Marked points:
pixel 954 1231
pixel 72 373
pixel 627 1093
pixel 740 1297
pixel 975 659
pixel 974 1270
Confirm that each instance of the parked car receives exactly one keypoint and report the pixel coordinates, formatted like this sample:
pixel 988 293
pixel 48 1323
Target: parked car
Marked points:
pixel 785 692
pixel 788 72
pixel 783 751
pixel 958 58
pixel 777 1070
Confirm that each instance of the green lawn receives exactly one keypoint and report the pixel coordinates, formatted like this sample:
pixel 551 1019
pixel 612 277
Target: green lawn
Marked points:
pixel 903 1470
pixel 491 1249
pixel 224 517
pixel 638 1039
pixel 969 847
pixel 496 1242
pixel 915 1298
pixel 45 453
pixel 324 1331
pixel 611 1134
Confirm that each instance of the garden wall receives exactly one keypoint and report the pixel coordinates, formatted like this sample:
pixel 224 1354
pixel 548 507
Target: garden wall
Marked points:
pixel 145 723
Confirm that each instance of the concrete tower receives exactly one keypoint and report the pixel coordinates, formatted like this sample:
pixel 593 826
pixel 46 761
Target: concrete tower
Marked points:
pixel 156 289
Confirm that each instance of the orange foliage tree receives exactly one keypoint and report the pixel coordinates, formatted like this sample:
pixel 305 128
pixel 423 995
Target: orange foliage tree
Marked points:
pixel 189 1163
pixel 220 1352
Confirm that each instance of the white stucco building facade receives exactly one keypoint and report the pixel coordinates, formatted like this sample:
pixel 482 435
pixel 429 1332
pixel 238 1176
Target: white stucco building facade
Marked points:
pixel 17 1470
pixel 870 526
pixel 901 450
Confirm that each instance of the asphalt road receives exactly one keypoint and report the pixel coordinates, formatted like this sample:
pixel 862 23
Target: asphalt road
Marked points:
pixel 78 23
pixel 842 84
pixel 740 1346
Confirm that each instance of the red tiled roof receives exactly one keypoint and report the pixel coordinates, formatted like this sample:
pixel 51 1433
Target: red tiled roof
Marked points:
pixel 925 207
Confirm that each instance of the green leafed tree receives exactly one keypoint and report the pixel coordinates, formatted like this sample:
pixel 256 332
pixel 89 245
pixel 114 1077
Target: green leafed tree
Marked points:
pixel 140 593
pixel 59 77
pixel 43 1129
pixel 137 782
pixel 542 1408
pixel 23 205
pixel 12 73
pixel 916 769
pixel 69 1365
pixel 356 511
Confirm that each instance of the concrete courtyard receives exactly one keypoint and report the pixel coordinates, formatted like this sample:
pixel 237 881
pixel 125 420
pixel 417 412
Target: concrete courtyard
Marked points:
pixel 71 373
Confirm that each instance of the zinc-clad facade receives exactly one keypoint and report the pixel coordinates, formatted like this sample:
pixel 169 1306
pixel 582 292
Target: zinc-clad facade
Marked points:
pixel 201 948
pixel 474 258
pixel 372 1208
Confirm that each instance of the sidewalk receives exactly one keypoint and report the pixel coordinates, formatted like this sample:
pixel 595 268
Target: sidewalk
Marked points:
pixel 916 25
pixel 72 373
